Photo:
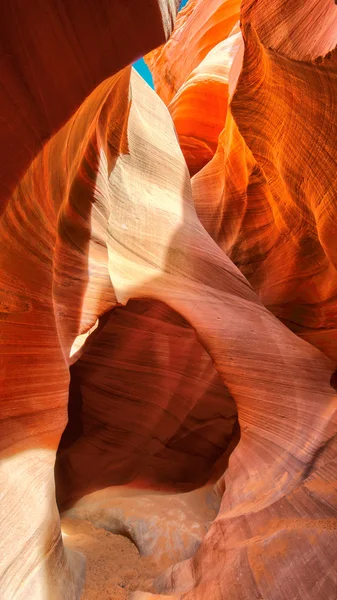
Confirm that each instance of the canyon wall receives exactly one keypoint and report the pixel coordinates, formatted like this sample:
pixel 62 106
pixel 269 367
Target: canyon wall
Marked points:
pixel 52 58
pixel 168 276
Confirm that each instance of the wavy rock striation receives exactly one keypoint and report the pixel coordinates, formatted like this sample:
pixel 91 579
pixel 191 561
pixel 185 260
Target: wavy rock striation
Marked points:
pixel 172 315
pixel 54 273
pixel 54 55
pixel 190 74
pixel 265 201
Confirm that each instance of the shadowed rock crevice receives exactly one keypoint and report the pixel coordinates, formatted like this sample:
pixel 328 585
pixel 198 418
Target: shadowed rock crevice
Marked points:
pixel 146 407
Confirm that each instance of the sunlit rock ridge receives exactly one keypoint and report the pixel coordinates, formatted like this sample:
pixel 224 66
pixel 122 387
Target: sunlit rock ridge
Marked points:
pixel 168 296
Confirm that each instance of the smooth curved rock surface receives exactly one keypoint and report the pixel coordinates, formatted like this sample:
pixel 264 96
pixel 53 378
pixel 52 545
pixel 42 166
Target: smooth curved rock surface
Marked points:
pixel 45 232
pixel 166 527
pixel 259 197
pixel 71 288
pixel 53 55
pixel 199 27
pixel 190 74
pixel 265 194
pixel 156 290
pixel 263 197
pixel 299 30
pixel 146 362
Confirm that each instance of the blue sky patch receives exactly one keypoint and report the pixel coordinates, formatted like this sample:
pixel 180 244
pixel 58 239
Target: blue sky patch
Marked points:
pixel 142 68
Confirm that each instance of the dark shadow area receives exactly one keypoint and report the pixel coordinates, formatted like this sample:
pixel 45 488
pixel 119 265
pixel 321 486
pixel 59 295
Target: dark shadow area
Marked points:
pixel 146 407
pixel 333 380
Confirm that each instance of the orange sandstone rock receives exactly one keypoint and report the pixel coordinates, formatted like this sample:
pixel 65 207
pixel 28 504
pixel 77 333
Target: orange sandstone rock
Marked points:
pixel 299 30
pixel 106 217
pixel 190 74
pixel 53 55
pixel 51 61
pixel 199 27
pixel 263 197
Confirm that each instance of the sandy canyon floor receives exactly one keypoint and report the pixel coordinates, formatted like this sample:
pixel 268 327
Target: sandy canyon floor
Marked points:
pixel 114 567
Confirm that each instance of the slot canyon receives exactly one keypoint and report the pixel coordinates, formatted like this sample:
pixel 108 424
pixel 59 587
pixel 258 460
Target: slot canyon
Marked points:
pixel 168 300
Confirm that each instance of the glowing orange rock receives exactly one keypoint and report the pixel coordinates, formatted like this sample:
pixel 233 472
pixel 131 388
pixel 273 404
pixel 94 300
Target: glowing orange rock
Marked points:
pixel 199 27
pixel 106 215
pixel 264 200
pixel 53 56
pixel 269 207
pixel 298 30
pixel 64 262
pixel 51 61
pixel 193 81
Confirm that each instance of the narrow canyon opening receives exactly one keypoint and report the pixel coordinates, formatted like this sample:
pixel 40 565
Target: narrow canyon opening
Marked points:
pixel 150 430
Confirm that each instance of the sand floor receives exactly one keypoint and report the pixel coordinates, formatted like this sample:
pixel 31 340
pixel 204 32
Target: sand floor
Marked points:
pixel 114 567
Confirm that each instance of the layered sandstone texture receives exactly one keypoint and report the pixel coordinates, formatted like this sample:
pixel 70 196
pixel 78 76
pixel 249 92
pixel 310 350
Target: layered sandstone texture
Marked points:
pixel 169 301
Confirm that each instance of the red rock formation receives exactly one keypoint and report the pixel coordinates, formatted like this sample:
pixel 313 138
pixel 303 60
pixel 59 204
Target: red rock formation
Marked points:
pixel 199 28
pixel 105 216
pixel 64 286
pixel 193 82
pixel 145 362
pixel 54 277
pixel 250 198
pixel 271 208
pixel 54 55
pixel 266 202
pixel 298 30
